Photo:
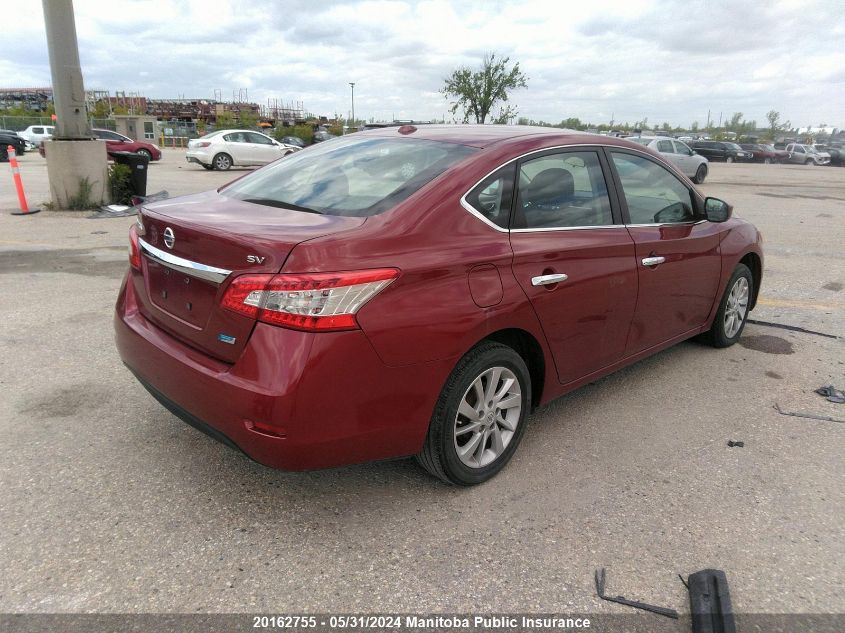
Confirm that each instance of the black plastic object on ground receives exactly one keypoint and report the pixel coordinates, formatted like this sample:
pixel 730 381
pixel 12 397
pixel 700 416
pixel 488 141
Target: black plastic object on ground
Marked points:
pixel 138 164
pixel 600 581
pixel 710 602
pixel 832 394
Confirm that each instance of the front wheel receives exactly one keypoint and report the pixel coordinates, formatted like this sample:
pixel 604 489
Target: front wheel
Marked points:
pixel 145 153
pixel 767 161
pixel 733 309
pixel 729 159
pixel 479 418
pixel 700 174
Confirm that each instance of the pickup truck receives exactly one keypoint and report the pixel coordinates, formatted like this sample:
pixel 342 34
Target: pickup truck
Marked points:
pixel 806 155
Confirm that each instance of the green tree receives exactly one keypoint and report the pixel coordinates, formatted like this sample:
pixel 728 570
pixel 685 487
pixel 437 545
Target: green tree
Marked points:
pixel 224 121
pixel 476 92
pixel 101 109
pixel 775 126
pixel 247 119
pixel 694 126
pixel 572 123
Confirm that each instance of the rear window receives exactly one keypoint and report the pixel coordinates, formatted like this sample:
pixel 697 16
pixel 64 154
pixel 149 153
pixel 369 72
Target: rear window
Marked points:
pixel 640 140
pixel 356 177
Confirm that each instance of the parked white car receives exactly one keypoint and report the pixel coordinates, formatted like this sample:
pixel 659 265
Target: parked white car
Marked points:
pixel 227 148
pixel 678 153
pixel 36 134
pixel 806 155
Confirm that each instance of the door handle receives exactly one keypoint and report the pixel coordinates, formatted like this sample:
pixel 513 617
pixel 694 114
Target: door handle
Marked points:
pixel 545 280
pixel 653 261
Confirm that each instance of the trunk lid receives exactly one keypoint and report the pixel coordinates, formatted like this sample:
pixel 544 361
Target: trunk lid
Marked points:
pixel 195 245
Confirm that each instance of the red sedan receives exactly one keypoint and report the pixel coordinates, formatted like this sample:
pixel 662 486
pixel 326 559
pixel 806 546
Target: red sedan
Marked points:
pixel 417 292
pixel 118 143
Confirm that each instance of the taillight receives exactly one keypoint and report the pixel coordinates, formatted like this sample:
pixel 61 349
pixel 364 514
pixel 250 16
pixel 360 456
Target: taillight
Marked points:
pixel 202 144
pixel 314 301
pixel 134 248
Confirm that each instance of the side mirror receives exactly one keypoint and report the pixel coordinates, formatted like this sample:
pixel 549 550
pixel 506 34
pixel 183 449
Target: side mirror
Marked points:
pixel 717 210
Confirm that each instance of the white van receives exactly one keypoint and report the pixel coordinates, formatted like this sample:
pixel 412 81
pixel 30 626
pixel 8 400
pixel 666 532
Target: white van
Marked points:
pixel 35 134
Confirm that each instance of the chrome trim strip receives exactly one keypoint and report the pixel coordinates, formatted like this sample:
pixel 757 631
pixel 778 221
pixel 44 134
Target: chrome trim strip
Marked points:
pixel 473 211
pixel 193 269
pixel 570 228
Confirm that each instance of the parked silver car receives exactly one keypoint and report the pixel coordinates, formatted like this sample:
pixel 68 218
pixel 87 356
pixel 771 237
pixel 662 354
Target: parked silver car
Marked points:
pixel 678 153
pixel 806 155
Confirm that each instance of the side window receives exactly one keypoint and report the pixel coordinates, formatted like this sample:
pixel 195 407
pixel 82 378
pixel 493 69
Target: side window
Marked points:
pixel 235 137
pixel 562 190
pixel 38 130
pixel 252 137
pixel 665 147
pixel 653 194
pixel 492 197
pixel 682 148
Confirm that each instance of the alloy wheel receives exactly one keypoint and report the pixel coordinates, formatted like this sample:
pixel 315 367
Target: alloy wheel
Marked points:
pixel 737 307
pixel 487 417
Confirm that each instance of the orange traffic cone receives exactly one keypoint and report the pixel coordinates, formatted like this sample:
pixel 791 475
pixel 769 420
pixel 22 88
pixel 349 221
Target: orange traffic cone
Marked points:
pixel 16 175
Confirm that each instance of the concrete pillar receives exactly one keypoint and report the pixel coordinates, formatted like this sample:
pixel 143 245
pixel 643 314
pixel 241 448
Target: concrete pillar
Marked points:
pixel 72 163
pixel 72 156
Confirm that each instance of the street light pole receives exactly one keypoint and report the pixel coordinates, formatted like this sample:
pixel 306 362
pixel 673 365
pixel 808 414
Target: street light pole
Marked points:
pixel 74 157
pixel 352 85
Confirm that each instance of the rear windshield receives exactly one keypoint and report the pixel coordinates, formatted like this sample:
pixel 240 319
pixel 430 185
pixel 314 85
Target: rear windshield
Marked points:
pixel 349 176
pixel 640 140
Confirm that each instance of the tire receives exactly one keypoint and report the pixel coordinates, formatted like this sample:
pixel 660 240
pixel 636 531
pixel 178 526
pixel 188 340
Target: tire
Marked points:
pixel 725 332
pixel 729 159
pixel 441 454
pixel 221 161
pixel 808 162
pixel 767 161
pixel 146 154
pixel 700 174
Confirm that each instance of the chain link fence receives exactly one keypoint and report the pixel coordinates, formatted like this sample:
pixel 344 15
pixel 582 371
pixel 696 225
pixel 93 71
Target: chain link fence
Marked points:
pixel 20 123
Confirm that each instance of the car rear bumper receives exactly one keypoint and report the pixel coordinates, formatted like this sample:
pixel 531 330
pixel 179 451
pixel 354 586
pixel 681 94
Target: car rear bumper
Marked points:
pixel 293 400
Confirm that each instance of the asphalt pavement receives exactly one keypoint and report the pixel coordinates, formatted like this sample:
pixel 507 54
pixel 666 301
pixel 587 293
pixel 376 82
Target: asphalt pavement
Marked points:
pixel 110 504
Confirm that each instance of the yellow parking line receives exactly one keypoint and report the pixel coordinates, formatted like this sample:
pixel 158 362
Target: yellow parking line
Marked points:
pixel 797 303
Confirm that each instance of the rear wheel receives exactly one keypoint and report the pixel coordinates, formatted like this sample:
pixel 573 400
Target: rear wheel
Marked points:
pixel 700 174
pixel 733 309
pixel 222 161
pixel 479 419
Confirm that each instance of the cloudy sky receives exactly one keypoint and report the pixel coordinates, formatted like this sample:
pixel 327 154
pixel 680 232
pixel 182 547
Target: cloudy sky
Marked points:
pixel 667 60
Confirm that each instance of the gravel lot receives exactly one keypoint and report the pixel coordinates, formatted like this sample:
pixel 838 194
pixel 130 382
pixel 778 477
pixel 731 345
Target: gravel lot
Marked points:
pixel 111 504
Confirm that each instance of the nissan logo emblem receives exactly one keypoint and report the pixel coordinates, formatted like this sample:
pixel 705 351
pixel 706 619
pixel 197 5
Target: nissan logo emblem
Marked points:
pixel 169 237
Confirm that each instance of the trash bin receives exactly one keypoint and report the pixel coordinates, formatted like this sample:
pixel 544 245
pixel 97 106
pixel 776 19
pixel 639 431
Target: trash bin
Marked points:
pixel 138 165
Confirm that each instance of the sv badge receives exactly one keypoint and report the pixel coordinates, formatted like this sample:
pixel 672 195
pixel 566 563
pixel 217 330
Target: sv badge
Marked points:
pixel 255 259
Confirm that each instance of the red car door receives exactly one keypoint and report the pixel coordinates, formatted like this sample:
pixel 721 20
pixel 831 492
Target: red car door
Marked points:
pixel 677 251
pixel 573 258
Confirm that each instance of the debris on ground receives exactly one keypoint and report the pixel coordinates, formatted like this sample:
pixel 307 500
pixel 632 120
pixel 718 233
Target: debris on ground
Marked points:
pixel 809 416
pixel 600 582
pixel 122 210
pixel 832 394
pixel 710 602
pixel 733 443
